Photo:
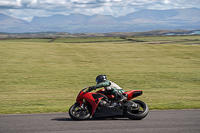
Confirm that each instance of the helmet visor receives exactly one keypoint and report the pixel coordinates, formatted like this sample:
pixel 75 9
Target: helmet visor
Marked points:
pixel 97 80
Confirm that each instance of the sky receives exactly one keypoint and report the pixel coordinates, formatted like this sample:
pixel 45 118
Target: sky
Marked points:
pixel 27 9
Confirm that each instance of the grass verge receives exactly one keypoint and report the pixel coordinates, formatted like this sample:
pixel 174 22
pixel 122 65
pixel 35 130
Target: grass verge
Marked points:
pixel 42 76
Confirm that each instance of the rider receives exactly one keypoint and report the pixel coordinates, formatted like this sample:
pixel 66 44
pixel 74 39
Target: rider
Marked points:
pixel 110 87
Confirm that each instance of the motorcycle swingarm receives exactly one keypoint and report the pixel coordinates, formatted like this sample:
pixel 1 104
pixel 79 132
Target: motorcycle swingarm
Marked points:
pixel 129 104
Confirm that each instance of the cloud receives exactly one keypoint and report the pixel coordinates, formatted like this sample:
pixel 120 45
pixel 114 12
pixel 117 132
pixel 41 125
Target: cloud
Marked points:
pixel 71 4
pixel 26 9
pixel 10 3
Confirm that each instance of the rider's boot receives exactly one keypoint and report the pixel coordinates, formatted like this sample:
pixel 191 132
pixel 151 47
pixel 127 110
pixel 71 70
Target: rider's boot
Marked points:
pixel 120 97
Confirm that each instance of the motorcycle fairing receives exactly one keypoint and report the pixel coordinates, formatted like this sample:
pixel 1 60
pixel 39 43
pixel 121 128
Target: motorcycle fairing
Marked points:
pixel 92 98
pixel 132 94
pixel 102 91
pixel 106 112
pixel 98 95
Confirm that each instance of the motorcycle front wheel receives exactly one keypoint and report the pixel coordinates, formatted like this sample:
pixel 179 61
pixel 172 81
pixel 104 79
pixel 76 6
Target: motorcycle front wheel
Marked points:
pixel 77 112
pixel 137 113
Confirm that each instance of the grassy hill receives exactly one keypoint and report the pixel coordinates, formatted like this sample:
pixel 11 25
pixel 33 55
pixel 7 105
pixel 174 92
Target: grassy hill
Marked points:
pixel 45 75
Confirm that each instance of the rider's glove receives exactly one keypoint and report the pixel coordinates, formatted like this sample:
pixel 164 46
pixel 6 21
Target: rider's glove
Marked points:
pixel 92 88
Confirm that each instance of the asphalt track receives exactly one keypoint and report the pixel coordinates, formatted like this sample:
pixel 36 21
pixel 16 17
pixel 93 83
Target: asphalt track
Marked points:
pixel 157 121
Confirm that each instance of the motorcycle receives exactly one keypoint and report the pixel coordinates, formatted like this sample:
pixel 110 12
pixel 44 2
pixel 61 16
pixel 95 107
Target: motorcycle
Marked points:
pixel 100 104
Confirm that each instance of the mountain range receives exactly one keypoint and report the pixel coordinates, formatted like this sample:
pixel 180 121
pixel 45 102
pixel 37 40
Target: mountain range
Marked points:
pixel 143 20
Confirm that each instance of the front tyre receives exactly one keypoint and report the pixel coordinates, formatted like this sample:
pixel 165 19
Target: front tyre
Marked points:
pixel 137 113
pixel 77 112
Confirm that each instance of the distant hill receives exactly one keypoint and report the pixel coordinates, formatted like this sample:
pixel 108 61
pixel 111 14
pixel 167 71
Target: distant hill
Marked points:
pixel 4 19
pixel 150 15
pixel 74 18
pixel 144 20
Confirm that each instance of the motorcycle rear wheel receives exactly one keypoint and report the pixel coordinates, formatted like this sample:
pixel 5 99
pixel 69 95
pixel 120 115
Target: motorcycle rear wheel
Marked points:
pixel 137 113
pixel 77 112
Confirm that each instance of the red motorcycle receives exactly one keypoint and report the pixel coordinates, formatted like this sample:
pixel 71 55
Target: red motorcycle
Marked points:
pixel 102 105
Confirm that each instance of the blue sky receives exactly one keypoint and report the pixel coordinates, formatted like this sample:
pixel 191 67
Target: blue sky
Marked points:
pixel 27 9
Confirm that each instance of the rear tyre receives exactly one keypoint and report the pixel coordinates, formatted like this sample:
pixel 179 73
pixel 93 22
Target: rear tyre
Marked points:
pixel 137 113
pixel 77 112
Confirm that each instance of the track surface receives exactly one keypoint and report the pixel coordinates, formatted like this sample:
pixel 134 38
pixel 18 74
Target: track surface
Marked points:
pixel 157 121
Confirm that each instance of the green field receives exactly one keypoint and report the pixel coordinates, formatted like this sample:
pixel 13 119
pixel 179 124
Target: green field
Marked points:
pixel 45 75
